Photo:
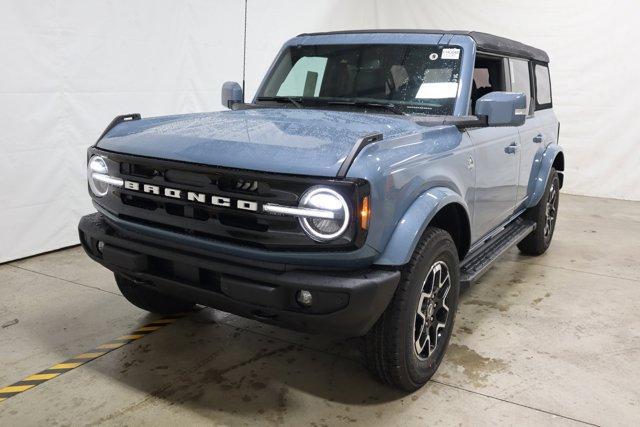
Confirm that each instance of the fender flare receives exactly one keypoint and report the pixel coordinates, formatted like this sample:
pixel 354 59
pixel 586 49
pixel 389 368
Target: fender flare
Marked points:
pixel 538 182
pixel 411 226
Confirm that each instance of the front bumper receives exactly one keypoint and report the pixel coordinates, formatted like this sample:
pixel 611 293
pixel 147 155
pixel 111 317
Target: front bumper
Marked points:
pixel 345 303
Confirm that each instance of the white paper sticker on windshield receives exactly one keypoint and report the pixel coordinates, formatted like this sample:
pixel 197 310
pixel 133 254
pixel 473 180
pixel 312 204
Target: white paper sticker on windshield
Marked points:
pixel 440 90
pixel 450 53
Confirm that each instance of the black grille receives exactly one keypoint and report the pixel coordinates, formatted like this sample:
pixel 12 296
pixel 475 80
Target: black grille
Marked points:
pixel 258 229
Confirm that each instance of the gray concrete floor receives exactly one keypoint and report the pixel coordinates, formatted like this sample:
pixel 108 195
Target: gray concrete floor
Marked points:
pixel 547 340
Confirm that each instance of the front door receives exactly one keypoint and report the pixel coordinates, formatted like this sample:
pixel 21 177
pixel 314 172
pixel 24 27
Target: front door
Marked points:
pixel 496 159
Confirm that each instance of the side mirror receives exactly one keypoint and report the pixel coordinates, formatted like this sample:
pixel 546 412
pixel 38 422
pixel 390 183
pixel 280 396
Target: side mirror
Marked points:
pixel 231 94
pixel 500 108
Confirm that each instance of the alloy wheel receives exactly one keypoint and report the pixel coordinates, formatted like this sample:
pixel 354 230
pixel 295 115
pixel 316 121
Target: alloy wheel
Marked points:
pixel 550 211
pixel 432 310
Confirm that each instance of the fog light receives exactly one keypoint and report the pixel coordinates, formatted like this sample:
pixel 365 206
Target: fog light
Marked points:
pixel 100 246
pixel 304 298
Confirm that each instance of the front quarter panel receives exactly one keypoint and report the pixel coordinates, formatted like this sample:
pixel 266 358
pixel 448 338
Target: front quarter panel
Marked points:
pixel 401 171
pixel 410 228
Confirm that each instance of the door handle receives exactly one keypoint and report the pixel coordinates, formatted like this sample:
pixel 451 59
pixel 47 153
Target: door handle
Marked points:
pixel 538 138
pixel 511 148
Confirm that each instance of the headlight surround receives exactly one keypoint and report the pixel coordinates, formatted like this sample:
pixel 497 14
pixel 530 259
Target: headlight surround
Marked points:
pixel 97 166
pixel 328 200
pixel 99 178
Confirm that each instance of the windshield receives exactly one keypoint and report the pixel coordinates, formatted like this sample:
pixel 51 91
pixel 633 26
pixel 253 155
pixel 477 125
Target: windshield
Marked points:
pixel 410 78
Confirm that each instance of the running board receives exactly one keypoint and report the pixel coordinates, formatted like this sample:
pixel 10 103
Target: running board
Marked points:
pixel 477 263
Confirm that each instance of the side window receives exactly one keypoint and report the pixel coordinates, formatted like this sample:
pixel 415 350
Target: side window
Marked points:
pixel 520 80
pixel 543 87
pixel 488 76
pixel 305 77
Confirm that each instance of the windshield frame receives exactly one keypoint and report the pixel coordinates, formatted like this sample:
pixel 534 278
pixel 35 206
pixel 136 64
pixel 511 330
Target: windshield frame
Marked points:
pixel 458 108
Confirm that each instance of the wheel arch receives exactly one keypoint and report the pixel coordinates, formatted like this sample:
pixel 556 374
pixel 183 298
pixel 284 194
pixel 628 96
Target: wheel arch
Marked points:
pixel 453 219
pixel 552 157
pixel 440 207
pixel 558 164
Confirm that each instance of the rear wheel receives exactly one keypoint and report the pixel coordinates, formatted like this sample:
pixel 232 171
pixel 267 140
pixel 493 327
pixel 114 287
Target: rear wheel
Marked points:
pixel 544 214
pixel 150 300
pixel 407 344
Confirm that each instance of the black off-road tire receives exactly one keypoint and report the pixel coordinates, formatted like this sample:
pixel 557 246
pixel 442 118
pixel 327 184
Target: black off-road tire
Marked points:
pixel 150 300
pixel 390 347
pixel 539 240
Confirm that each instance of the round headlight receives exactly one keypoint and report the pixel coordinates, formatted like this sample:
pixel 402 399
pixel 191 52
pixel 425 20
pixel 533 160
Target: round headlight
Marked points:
pixel 328 200
pixel 97 165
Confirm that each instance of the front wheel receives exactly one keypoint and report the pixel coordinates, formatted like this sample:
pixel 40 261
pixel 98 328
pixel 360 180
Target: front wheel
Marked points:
pixel 407 344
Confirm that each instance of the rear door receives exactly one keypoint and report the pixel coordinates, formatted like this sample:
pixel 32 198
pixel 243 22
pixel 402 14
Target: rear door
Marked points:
pixel 540 127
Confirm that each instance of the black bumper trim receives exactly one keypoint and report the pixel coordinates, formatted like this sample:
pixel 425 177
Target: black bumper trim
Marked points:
pixel 346 303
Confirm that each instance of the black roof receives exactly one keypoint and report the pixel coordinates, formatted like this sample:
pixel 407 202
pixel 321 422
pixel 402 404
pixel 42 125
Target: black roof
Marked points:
pixel 485 42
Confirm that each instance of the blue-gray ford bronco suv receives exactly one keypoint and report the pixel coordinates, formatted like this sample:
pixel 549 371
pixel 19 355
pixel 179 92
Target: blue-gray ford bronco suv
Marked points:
pixel 373 174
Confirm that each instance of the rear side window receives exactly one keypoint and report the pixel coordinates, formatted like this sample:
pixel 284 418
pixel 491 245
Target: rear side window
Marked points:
pixel 520 80
pixel 543 87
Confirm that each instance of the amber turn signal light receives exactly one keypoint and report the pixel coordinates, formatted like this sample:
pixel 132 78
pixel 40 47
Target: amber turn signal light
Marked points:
pixel 365 213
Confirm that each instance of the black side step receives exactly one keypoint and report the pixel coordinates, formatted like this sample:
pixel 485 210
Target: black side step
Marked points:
pixel 478 262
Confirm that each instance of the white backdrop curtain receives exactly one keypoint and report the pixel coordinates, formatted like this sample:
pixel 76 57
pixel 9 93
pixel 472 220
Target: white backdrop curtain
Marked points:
pixel 67 67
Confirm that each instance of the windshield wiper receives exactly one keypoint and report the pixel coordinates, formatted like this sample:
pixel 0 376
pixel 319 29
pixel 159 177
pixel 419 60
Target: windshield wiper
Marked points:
pixel 365 104
pixel 288 99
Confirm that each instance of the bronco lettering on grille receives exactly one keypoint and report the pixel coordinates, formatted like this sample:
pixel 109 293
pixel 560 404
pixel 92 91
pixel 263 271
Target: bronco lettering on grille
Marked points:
pixel 192 196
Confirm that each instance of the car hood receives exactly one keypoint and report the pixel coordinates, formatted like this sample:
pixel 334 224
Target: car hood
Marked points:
pixel 294 141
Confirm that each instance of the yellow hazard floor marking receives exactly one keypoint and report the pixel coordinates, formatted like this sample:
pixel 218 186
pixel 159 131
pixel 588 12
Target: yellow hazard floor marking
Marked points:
pixel 90 355
pixel 130 337
pixel 79 360
pixel 66 365
pixel 110 346
pixel 165 321
pixel 38 377
pixel 147 328
pixel 16 388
